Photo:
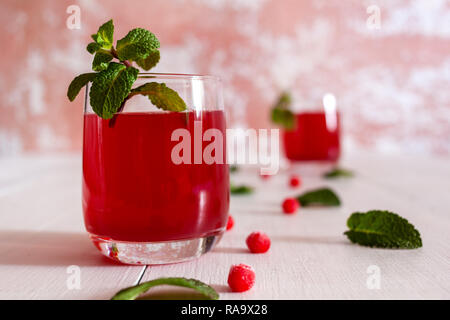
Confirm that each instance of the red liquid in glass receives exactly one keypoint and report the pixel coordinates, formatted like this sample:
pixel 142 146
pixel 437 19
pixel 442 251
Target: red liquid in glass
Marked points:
pixel 312 138
pixel 132 191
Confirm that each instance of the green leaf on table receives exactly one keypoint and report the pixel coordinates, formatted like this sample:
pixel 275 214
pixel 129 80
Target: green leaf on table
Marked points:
pixel 319 197
pixel 241 189
pixel 101 60
pixel 149 62
pixel 161 96
pixel 136 45
pixel 132 293
pixel 338 172
pixel 281 114
pixel 110 88
pixel 78 83
pixel 382 229
pixel 104 36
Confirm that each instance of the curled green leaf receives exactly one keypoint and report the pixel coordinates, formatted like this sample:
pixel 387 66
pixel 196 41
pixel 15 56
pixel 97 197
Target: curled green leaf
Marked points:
pixel 134 292
pixel 78 83
pixel 161 96
pixel 382 229
pixel 319 197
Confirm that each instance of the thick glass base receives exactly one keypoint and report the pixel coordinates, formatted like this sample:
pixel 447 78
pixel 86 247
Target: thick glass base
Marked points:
pixel 154 253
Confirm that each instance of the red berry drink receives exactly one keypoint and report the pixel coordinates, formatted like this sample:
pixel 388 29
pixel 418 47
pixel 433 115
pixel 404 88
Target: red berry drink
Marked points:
pixel 315 137
pixel 134 193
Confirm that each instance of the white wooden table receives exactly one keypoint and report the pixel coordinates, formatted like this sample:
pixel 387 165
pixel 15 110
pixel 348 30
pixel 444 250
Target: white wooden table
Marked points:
pixel 42 234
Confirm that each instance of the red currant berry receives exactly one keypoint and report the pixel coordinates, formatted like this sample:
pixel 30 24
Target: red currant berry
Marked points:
pixel 258 242
pixel 295 181
pixel 241 278
pixel 290 205
pixel 230 222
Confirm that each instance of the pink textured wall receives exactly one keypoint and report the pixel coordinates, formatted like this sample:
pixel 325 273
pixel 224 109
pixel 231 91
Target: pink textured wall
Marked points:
pixel 392 83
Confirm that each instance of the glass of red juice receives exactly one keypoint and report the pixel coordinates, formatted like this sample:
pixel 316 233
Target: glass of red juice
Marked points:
pixel 316 133
pixel 141 204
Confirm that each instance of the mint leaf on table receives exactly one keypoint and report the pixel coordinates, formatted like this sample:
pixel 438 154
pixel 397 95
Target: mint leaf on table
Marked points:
pixel 281 114
pixel 241 189
pixel 78 83
pixel 338 172
pixel 104 35
pixel 137 44
pixel 161 96
pixel 382 229
pixel 319 197
pixel 110 87
pixel 149 62
pixel 101 60
pixel 132 293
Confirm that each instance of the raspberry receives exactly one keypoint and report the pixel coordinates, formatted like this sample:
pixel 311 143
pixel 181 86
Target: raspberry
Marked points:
pixel 265 176
pixel 290 205
pixel 295 181
pixel 241 278
pixel 258 242
pixel 230 222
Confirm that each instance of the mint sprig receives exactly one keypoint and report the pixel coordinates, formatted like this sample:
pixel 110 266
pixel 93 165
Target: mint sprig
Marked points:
pixel 382 229
pixel 132 293
pixel 113 80
pixel 281 113
pixel 319 197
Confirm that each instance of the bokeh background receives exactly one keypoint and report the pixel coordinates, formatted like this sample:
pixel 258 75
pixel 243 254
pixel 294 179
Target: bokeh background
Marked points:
pixel 392 83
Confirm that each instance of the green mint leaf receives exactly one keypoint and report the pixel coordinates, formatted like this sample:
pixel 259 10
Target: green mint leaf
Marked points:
pixel 110 88
pixel 93 47
pixel 284 118
pixel 149 62
pixel 136 45
pixel 319 197
pixel 101 60
pixel 281 114
pixel 242 189
pixel 382 229
pixel 104 35
pixel 338 172
pixel 234 168
pixel 78 83
pixel 161 96
pixel 132 293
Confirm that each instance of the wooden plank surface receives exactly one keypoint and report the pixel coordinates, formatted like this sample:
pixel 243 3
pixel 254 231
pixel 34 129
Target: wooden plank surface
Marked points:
pixel 42 234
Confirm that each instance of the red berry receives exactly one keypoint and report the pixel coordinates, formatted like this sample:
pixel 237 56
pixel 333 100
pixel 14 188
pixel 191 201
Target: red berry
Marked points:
pixel 295 181
pixel 265 176
pixel 290 205
pixel 241 278
pixel 230 222
pixel 258 242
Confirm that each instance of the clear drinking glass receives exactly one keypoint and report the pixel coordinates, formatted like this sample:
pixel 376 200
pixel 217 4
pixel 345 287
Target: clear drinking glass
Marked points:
pixel 141 205
pixel 316 133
